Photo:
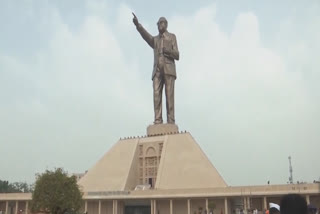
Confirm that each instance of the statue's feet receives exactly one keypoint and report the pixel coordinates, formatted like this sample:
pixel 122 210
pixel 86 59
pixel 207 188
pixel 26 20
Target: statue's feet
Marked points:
pixel 171 121
pixel 158 122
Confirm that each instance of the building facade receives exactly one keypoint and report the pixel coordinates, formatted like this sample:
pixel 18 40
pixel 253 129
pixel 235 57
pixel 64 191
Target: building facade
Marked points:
pixel 165 172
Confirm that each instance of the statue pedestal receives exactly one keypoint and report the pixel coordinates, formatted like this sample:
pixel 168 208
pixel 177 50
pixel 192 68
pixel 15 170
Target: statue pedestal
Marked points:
pixel 162 129
pixel 179 162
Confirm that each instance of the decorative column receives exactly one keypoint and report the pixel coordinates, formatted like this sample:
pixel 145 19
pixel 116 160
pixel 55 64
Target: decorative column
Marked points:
pixel 189 207
pixel 207 205
pixel 248 203
pixel 225 206
pixel 308 199
pixel 154 207
pixel 152 210
pixel 115 206
pixel 171 207
pixel 265 203
pixel 85 206
pixel 27 207
pixel 245 203
pixel 17 205
pixel 99 207
pixel 7 207
pixel 117 210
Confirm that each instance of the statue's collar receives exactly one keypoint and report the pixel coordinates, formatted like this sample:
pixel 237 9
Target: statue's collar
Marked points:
pixel 165 34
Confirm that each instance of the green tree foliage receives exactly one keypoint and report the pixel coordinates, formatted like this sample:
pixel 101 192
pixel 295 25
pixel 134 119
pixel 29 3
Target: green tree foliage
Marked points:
pixel 57 193
pixel 6 187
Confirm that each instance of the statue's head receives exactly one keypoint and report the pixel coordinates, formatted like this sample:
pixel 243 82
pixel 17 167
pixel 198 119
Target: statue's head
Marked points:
pixel 162 25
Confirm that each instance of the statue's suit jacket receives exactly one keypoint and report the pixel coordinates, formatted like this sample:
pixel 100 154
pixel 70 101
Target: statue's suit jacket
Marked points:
pixel 155 43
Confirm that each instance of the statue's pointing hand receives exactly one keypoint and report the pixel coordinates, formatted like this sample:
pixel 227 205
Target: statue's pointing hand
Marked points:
pixel 135 19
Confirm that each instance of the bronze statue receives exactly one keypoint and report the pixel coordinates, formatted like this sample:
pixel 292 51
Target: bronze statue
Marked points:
pixel 165 51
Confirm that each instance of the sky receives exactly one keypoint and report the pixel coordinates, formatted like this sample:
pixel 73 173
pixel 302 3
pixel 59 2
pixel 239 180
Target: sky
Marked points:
pixel 75 77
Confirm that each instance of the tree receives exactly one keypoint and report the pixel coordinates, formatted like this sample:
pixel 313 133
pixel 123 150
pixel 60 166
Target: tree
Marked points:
pixel 21 187
pixel 57 193
pixel 6 187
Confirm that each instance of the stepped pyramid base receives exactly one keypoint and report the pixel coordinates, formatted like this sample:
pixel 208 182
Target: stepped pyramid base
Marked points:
pixel 166 162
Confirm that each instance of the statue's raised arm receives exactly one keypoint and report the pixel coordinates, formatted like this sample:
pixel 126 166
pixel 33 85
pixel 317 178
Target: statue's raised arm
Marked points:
pixel 145 35
pixel 135 19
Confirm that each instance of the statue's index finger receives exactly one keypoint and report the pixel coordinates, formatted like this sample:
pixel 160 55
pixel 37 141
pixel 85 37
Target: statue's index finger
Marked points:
pixel 134 15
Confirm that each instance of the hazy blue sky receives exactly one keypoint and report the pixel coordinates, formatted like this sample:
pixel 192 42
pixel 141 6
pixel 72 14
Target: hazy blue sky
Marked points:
pixel 75 76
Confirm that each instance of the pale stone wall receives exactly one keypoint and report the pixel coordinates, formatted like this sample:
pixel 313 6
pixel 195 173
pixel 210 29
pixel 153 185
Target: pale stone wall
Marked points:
pixel 185 165
pixel 106 207
pixel 111 172
pixel 121 207
pixel 93 207
pixel 257 203
pixel 133 175
pixel 229 207
pixel 163 206
pixel 180 206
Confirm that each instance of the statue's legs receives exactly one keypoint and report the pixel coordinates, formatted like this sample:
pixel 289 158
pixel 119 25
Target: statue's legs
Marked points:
pixel 169 87
pixel 158 82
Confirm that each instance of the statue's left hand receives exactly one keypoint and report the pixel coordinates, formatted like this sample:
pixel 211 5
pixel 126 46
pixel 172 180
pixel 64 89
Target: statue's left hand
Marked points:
pixel 165 51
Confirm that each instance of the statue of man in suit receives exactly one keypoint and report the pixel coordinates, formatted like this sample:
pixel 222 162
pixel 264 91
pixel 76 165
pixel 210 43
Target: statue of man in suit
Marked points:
pixel 165 51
